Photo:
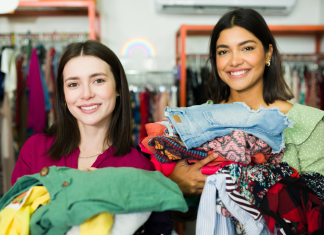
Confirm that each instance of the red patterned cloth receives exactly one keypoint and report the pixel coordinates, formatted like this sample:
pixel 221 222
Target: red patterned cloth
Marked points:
pixel 239 146
pixel 295 205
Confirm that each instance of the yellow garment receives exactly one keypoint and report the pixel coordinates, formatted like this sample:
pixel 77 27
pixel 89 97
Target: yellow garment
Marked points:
pixel 100 224
pixel 14 218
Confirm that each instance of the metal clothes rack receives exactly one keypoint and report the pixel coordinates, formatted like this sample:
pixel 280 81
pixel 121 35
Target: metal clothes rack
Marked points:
pixel 152 79
pixel 205 30
pixel 61 8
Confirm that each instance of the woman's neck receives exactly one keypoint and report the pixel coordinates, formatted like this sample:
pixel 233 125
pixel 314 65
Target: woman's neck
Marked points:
pixel 252 98
pixel 92 139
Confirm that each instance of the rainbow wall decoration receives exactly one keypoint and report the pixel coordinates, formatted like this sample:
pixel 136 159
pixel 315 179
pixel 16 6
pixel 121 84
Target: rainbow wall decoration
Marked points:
pixel 138 43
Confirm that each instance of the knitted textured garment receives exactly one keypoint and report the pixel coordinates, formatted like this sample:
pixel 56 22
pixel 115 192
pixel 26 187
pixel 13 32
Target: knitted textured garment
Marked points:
pixel 169 149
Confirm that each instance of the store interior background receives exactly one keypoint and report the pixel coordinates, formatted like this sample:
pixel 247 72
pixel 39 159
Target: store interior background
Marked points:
pixel 127 19
pixel 122 20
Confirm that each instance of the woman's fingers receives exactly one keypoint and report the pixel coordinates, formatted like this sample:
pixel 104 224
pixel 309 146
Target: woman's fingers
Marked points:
pixel 205 161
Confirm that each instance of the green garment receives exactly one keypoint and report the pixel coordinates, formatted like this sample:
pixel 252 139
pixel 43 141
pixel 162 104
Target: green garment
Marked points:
pixel 305 141
pixel 78 195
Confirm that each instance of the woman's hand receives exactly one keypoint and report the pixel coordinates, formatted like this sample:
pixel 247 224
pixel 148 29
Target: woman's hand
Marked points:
pixel 189 177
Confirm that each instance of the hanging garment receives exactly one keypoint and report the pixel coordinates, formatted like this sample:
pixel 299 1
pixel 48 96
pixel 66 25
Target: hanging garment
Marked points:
pixel 10 83
pixel 198 124
pixel 295 86
pixel 302 85
pixel 5 68
pixel 127 190
pixel 7 149
pixel 21 104
pixel 36 119
pixel 312 98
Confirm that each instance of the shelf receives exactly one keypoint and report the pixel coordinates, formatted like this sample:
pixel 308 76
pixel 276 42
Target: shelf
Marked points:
pixel 61 8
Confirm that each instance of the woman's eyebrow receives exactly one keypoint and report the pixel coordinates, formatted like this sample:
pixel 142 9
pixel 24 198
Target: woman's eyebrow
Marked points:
pixel 245 42
pixel 98 74
pixel 222 46
pixel 71 78
pixel 240 44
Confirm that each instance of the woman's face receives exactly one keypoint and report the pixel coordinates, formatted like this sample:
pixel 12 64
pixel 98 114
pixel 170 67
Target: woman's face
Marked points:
pixel 90 90
pixel 240 59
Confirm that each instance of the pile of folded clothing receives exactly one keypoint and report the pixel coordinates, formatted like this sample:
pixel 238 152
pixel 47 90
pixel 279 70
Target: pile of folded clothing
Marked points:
pixel 60 200
pixel 249 190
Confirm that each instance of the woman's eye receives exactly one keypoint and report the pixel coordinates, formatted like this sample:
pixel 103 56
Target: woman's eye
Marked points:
pixel 221 52
pixel 248 48
pixel 99 81
pixel 73 84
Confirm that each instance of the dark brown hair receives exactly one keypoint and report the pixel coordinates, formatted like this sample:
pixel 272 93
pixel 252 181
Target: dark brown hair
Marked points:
pixel 65 127
pixel 274 85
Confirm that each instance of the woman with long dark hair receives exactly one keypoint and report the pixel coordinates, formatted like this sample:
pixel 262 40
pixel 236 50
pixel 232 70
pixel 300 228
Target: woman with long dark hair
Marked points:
pixel 246 67
pixel 92 127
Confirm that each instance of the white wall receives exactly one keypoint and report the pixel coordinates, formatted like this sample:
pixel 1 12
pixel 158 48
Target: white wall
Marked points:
pixel 125 19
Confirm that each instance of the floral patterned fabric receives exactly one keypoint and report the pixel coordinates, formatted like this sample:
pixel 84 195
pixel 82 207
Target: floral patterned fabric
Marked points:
pixel 254 181
pixel 314 181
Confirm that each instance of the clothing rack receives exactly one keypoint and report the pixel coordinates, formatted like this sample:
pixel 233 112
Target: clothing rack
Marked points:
pixel 205 30
pixel 14 39
pixel 159 80
pixel 61 8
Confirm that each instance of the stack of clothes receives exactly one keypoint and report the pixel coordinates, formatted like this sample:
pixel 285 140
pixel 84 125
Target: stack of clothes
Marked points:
pixel 61 200
pixel 249 190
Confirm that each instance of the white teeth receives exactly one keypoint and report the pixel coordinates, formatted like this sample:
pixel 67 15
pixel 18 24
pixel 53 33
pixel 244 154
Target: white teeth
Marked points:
pixel 90 107
pixel 239 72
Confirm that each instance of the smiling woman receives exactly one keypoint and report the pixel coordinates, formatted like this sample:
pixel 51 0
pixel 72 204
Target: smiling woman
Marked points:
pixel 246 67
pixel 92 127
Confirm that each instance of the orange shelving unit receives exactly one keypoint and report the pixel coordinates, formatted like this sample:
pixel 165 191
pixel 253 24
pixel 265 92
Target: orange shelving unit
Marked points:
pixel 205 30
pixel 61 8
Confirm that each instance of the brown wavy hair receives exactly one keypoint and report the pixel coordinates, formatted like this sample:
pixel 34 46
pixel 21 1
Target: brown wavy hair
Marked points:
pixel 65 127
pixel 274 85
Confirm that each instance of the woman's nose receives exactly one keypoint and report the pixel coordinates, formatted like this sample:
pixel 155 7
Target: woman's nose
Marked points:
pixel 86 93
pixel 236 59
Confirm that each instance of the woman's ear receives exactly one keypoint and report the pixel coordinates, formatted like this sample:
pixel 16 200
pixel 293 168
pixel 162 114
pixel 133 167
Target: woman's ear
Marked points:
pixel 269 53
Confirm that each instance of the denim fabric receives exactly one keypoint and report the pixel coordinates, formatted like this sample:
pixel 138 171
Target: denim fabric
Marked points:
pixel 201 123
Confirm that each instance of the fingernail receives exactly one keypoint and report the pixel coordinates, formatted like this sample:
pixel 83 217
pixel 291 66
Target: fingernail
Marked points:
pixel 215 155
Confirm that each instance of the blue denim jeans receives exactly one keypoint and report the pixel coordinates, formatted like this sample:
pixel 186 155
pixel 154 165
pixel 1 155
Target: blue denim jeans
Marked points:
pixel 201 123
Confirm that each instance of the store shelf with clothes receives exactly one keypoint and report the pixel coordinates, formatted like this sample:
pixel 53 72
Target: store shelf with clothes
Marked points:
pixel 151 92
pixel 304 76
pixel 197 73
pixel 28 64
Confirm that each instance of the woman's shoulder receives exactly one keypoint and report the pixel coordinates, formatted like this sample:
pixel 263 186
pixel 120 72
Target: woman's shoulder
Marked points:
pixel 137 160
pixel 40 139
pixel 38 142
pixel 306 120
